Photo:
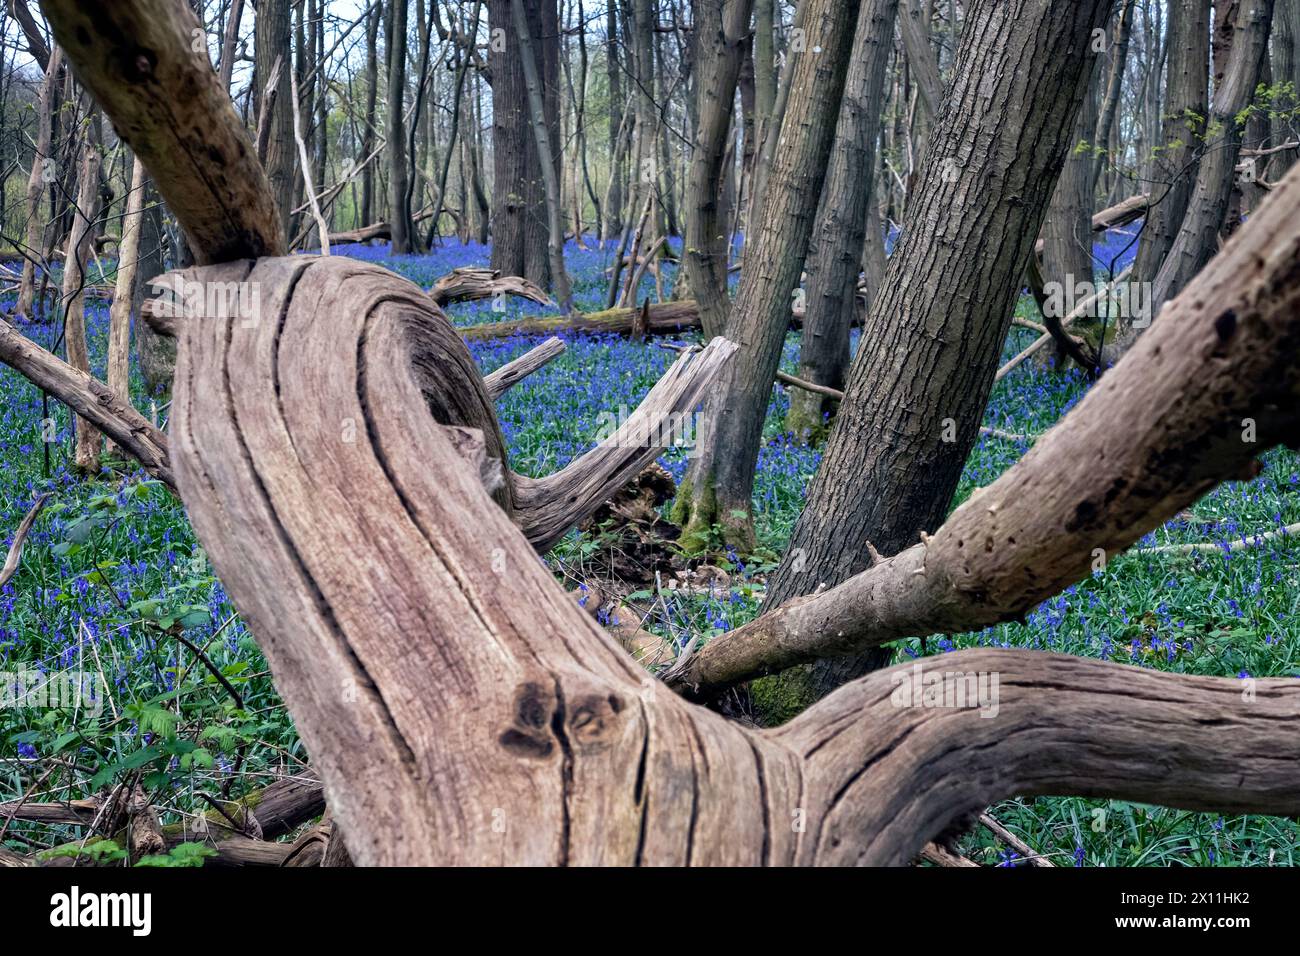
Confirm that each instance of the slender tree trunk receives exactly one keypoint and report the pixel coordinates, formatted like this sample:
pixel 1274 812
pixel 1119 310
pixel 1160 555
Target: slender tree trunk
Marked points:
pixel 1198 239
pixel 721 31
pixel 399 199
pixel 930 347
pixel 546 157
pixel 1182 133
pixel 119 316
pixel 519 217
pixel 367 214
pixel 836 253
pixel 271 43
pixel 38 184
pixel 717 490
pixel 86 454
pixel 1114 85
pixel 617 166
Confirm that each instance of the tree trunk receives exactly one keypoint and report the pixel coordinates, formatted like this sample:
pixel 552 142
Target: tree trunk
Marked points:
pixel 919 382
pixel 617 168
pixel 1198 239
pixel 1182 133
pixel 720 37
pixel 837 248
pixel 368 130
pixel 716 493
pixel 74 299
pixel 399 200
pixel 519 233
pixel 38 184
pixel 271 43
pixel 119 323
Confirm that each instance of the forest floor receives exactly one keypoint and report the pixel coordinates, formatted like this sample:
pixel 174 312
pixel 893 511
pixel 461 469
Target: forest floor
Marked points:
pixel 112 572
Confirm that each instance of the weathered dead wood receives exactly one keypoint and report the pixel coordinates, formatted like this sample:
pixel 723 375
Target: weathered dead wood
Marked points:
pixel 1160 429
pixel 470 283
pixel 543 742
pixel 1080 310
pixel 139 61
pixel 500 381
pixel 20 538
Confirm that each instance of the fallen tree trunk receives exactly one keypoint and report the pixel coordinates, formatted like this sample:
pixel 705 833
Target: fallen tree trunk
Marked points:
pixel 1220 358
pixel 1120 214
pixel 470 283
pixel 664 318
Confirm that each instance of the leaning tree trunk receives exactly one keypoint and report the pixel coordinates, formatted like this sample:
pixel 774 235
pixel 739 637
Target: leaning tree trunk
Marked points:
pixel 721 31
pixel 462 709
pixel 930 347
pixel 717 490
pixel 86 453
pixel 119 316
pixel 838 239
pixel 1198 238
pixel 1182 133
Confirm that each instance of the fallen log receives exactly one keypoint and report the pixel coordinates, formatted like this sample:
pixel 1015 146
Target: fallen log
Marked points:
pixel 378 230
pixel 664 318
pixel 1120 214
pixel 470 283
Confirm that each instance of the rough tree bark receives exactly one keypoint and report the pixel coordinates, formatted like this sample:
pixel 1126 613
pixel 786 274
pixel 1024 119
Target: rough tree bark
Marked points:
pixel 721 32
pixel 519 234
pixel 1197 239
pixel 717 489
pixel 836 253
pixel 1182 133
pixel 919 382
pixel 73 302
